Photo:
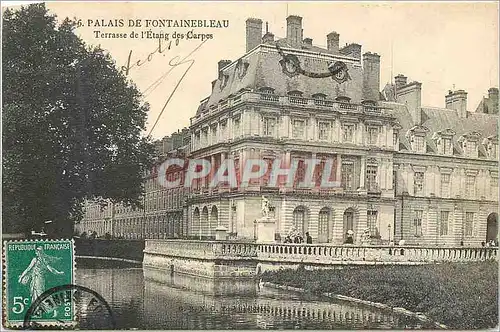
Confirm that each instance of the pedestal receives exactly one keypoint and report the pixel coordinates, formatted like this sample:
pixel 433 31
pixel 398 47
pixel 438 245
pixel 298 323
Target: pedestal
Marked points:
pixel 221 233
pixel 266 228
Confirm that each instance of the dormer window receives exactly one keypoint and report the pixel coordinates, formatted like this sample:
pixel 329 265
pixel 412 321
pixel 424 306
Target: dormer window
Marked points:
pixel 418 143
pixel 470 149
pixel 446 145
pixel 469 143
pixel 267 90
pixel 319 96
pixel 416 137
pixel 343 99
pixel 295 93
pixel 369 103
pixel 444 141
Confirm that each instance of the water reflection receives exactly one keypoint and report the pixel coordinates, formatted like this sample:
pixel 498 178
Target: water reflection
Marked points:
pixel 138 300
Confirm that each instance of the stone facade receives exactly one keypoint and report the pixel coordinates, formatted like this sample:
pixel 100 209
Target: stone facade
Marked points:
pixel 163 212
pixel 428 176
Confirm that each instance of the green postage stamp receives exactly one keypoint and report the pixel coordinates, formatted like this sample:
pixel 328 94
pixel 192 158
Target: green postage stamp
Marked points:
pixel 30 269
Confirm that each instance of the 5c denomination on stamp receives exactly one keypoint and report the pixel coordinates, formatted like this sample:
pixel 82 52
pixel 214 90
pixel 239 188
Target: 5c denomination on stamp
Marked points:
pixel 31 268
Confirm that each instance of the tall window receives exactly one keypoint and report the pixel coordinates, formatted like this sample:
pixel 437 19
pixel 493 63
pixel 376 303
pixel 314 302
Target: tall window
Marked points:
pixel 417 222
pixel 236 126
pixel 213 135
pixel 223 130
pixel 494 151
pixel 419 143
pixel 197 140
pixel 372 222
pixel 443 225
pixel 373 135
pixel 371 177
pixel 469 223
pixel 324 131
pixel 269 126
pixel 395 141
pixel 347 176
pixel 470 186
pixel 204 137
pixel 348 130
pixel 494 187
pixel 299 218
pixel 418 183
pixel 470 149
pixel 447 148
pixel 298 129
pixel 445 185
pixel 324 216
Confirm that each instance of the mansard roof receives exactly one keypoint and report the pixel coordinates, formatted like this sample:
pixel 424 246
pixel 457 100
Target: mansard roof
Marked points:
pixel 441 119
pixel 263 69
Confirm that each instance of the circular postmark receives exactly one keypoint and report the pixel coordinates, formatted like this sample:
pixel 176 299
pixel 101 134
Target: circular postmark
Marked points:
pixel 69 306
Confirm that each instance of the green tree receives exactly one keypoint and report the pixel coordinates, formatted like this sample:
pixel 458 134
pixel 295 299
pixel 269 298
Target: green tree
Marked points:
pixel 72 125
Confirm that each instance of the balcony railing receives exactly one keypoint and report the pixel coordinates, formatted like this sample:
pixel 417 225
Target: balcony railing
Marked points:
pixel 322 254
pixel 297 100
pixel 321 102
pixel 269 97
pixel 347 106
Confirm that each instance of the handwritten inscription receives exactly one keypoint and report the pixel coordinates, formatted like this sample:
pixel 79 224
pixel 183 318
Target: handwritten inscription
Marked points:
pixel 174 62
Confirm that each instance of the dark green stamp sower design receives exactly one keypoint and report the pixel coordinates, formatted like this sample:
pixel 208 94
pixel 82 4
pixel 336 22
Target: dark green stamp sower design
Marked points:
pixel 31 268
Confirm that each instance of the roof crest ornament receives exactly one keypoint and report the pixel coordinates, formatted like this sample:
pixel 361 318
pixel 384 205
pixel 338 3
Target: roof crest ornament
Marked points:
pixel 291 66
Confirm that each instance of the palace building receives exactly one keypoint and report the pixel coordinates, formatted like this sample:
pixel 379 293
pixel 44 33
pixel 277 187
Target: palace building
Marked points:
pixel 425 175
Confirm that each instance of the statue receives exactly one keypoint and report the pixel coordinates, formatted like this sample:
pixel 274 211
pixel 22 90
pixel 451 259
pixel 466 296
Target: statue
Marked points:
pixel 265 207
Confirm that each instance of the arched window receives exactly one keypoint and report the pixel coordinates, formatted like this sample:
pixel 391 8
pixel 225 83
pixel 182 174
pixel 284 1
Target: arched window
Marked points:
pixel 204 221
pixel 295 93
pixel 214 217
pixel 196 222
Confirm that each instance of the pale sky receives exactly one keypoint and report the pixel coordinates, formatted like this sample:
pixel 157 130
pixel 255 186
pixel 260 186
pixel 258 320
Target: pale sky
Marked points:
pixel 442 45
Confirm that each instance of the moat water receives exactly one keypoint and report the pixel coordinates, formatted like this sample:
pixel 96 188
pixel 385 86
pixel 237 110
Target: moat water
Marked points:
pixel 139 302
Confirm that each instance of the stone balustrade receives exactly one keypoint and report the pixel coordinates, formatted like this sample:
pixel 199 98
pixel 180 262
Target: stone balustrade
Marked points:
pixel 348 254
pixel 205 250
pixel 316 254
pixel 287 101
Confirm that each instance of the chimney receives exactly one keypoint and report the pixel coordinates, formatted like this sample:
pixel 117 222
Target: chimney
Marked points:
pixel 352 50
pixel 294 30
pixel 457 100
pixel 493 97
pixel 222 63
pixel 268 38
pixel 371 76
pixel 254 33
pixel 332 42
pixel 411 95
pixel 308 41
pixel 401 81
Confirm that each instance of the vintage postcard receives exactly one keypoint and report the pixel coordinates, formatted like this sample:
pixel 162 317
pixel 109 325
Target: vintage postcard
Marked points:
pixel 250 165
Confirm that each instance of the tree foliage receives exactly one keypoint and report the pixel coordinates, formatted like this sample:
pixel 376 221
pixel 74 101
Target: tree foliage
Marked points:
pixel 72 124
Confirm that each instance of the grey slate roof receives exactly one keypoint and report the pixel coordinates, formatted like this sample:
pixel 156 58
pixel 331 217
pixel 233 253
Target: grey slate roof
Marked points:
pixel 438 119
pixel 264 70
